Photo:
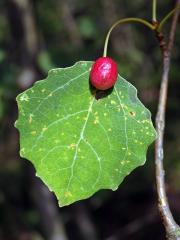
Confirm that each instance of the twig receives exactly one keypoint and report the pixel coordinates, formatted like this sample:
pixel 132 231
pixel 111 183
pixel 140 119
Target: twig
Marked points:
pixel 172 229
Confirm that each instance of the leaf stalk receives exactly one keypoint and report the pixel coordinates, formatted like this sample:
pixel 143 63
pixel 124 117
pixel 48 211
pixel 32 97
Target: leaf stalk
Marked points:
pixel 125 20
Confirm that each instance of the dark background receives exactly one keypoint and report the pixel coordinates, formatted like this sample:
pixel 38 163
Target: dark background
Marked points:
pixel 37 35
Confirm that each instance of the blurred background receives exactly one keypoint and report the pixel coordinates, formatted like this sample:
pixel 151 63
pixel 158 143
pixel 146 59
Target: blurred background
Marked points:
pixel 37 35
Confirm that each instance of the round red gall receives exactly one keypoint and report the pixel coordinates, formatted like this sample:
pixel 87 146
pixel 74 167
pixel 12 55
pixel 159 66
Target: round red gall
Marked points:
pixel 104 73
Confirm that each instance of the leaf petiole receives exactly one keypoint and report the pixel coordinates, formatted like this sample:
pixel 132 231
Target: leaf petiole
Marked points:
pixel 164 20
pixel 125 20
pixel 154 18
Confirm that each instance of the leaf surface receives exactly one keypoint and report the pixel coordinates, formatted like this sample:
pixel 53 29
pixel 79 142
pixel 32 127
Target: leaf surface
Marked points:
pixel 79 144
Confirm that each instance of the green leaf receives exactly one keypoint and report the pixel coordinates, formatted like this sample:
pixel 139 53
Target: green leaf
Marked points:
pixel 79 144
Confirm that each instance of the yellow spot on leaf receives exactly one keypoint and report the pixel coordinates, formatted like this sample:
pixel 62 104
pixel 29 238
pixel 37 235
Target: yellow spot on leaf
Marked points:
pixel 132 113
pixel 30 118
pixel 72 145
pixel 68 194
pixel 113 102
pixel 33 132
pixel 96 122
pixel 45 129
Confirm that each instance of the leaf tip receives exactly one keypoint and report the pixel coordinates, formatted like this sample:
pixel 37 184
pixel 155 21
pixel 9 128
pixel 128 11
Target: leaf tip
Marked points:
pixel 114 188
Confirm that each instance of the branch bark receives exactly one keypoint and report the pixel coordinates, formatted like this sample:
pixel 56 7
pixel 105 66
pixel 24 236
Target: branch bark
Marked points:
pixel 171 227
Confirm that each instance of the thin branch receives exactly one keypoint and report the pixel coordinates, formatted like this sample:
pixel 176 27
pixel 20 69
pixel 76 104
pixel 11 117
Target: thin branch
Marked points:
pixel 164 20
pixel 154 7
pixel 172 229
